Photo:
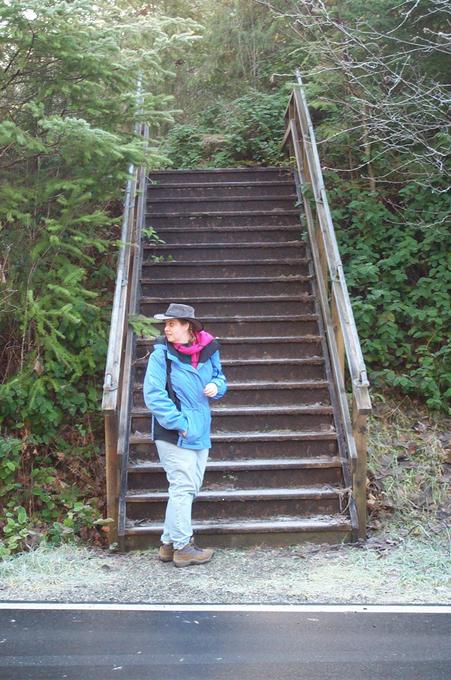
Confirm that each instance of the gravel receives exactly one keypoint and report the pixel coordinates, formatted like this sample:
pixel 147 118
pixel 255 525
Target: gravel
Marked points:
pixel 387 569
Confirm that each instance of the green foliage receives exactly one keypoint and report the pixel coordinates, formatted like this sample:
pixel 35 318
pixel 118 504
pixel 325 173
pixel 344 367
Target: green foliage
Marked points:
pixel 247 130
pixel 398 275
pixel 143 326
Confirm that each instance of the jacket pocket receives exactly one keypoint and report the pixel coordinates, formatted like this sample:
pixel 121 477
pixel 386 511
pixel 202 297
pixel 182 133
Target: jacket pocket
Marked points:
pixel 198 429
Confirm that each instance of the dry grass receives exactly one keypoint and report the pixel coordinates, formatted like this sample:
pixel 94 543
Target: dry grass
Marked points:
pixel 391 570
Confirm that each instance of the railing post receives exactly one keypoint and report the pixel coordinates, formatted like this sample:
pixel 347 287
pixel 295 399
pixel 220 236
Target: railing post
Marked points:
pixel 112 473
pixel 360 434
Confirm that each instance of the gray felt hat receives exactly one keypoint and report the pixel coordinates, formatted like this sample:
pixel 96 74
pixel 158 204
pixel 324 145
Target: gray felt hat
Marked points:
pixel 181 312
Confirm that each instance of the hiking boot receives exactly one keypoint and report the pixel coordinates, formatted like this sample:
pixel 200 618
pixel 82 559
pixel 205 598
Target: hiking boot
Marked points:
pixel 191 554
pixel 166 552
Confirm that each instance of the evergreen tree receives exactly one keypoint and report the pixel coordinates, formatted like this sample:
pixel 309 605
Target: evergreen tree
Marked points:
pixel 68 79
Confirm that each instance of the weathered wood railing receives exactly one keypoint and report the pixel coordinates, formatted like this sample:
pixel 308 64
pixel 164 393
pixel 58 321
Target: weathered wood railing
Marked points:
pixel 115 402
pixel 343 341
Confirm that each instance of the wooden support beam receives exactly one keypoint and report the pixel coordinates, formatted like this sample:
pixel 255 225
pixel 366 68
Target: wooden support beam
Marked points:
pixel 360 433
pixel 112 473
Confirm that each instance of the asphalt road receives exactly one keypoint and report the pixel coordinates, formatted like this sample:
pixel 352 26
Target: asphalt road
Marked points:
pixel 250 644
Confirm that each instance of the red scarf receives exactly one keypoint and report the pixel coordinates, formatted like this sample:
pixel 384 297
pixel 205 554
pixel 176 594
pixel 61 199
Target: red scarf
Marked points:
pixel 202 340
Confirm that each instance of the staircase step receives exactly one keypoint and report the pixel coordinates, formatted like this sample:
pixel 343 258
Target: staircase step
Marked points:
pixel 220 175
pixel 231 268
pixel 241 370
pixel 248 325
pixel 236 218
pixel 200 252
pixel 242 305
pixel 252 234
pixel 225 205
pixel 276 531
pixel 243 503
pixel 220 189
pixel 286 347
pixel 252 445
pixel 242 285
pixel 271 418
pixel 265 393
pixel 250 474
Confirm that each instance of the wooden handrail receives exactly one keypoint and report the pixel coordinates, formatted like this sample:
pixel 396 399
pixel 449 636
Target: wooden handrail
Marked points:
pixel 341 330
pixel 115 342
pixel 115 399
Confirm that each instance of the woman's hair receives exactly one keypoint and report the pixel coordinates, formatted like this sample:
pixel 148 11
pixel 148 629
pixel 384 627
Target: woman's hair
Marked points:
pixel 191 330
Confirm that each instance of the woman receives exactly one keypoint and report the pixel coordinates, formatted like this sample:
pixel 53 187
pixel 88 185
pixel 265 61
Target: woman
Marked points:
pixel 183 373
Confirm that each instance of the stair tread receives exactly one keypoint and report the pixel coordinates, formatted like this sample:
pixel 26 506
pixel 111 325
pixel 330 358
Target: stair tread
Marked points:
pixel 203 185
pixel 323 491
pixel 257 340
pixel 237 279
pixel 223 246
pixel 265 384
pixel 276 524
pixel 236 298
pixel 306 361
pixel 262 227
pixel 250 464
pixel 218 171
pixel 250 410
pixel 294 362
pixel 272 317
pixel 221 263
pixel 276 436
pixel 225 213
pixel 220 199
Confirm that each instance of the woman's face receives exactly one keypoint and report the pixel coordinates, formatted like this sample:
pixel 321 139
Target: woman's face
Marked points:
pixel 177 331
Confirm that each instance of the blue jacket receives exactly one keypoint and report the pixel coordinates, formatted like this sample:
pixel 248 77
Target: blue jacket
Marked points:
pixel 188 383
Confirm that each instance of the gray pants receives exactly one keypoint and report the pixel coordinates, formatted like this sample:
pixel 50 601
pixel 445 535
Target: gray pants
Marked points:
pixel 184 470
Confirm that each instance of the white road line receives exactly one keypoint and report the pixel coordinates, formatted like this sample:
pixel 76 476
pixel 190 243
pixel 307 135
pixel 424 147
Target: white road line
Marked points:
pixel 283 608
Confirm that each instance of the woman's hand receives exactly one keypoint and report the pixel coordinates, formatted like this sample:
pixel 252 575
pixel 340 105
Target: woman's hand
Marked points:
pixel 211 390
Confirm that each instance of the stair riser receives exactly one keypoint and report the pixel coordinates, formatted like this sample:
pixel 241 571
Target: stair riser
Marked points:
pixel 200 254
pixel 245 479
pixel 234 175
pixel 216 539
pixel 214 510
pixel 285 350
pixel 236 329
pixel 253 423
pixel 231 289
pixel 188 271
pixel 263 372
pixel 221 191
pixel 191 222
pixel 267 350
pixel 223 205
pixel 276 235
pixel 245 449
pixel 265 397
pixel 279 372
pixel 231 307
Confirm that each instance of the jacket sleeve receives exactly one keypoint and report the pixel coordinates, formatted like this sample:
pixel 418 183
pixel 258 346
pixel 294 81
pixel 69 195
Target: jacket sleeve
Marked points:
pixel 156 396
pixel 218 378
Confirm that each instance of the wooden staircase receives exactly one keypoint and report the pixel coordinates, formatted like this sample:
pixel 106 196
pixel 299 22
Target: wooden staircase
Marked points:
pixel 233 250
pixel 236 244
